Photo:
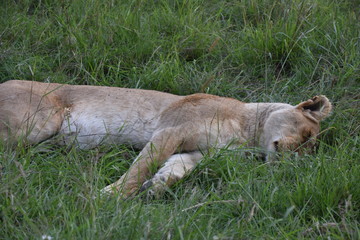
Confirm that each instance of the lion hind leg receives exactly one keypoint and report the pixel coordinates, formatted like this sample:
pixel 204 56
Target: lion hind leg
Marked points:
pixel 174 169
pixel 29 122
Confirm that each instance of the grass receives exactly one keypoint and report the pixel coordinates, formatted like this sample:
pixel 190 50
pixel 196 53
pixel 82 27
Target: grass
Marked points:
pixel 265 50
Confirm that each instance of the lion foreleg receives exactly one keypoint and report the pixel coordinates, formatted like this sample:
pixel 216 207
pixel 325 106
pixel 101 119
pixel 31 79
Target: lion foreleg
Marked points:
pixel 175 168
pixel 154 154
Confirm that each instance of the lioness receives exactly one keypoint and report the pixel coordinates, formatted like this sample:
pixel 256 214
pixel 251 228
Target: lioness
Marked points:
pixel 172 131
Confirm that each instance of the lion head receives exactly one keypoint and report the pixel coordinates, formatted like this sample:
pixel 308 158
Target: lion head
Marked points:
pixel 295 128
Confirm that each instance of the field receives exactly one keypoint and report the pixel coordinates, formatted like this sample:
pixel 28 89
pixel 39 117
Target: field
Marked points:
pixel 264 50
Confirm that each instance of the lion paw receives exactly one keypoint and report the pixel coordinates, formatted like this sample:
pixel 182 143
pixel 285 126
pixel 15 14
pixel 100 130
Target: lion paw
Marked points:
pixel 107 191
pixel 154 188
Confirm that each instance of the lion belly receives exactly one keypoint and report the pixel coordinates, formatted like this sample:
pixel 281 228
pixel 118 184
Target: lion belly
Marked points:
pixel 87 128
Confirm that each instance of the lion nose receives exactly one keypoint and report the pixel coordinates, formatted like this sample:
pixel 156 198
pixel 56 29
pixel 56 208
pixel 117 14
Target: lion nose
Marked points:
pixel 276 145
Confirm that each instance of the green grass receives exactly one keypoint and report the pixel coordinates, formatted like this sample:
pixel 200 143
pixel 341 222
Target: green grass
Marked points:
pixel 265 50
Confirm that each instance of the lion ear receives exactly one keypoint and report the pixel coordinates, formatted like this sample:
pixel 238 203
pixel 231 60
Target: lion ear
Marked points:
pixel 319 107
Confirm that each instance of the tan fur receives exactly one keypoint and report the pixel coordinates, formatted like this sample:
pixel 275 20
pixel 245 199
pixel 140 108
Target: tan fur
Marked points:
pixel 160 124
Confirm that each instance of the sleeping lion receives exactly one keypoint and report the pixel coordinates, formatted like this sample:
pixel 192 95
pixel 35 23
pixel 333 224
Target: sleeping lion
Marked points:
pixel 172 131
